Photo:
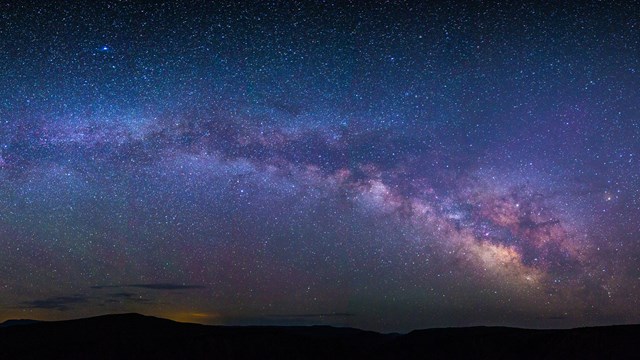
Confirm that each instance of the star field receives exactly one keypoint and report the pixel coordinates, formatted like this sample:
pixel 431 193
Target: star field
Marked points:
pixel 387 166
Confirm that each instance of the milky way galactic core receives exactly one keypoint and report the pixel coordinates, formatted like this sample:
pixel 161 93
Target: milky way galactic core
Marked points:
pixel 382 165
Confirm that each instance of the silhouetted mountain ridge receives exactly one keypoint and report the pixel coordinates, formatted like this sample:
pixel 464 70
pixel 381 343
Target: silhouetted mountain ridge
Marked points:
pixel 135 336
pixel 16 322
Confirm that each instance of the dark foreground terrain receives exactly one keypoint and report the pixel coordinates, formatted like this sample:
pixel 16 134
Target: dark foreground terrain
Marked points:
pixel 133 336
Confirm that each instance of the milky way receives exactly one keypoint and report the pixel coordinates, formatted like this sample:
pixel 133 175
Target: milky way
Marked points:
pixel 383 166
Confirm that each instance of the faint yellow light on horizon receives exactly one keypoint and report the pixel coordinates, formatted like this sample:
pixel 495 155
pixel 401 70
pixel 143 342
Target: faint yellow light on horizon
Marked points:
pixel 193 317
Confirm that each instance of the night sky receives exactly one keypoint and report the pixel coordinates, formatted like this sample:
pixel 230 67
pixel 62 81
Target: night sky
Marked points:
pixel 381 165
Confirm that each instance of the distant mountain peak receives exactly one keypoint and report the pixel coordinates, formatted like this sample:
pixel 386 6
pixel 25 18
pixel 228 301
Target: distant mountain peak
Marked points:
pixel 18 322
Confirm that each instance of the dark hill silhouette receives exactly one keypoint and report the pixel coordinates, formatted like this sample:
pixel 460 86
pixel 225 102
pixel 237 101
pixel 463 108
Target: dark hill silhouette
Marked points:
pixel 134 336
pixel 17 322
